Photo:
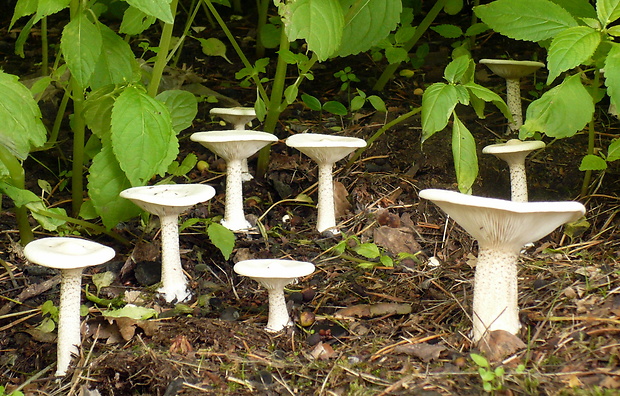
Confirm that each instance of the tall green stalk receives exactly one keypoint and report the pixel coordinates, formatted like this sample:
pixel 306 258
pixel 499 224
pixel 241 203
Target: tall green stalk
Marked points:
pixel 18 179
pixel 162 54
pixel 587 177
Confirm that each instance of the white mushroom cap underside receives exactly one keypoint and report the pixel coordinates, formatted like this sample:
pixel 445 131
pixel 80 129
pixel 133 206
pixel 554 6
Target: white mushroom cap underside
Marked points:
pixel 67 252
pixel 166 199
pixel 234 111
pixel 512 69
pixel 497 223
pixel 234 144
pixel 513 146
pixel 273 268
pixel 325 148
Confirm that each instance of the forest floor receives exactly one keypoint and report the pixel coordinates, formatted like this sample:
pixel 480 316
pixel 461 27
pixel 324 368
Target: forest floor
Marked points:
pixel 418 343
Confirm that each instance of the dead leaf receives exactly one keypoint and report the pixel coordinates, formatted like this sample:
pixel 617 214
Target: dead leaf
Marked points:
pixel 341 204
pixel 609 382
pixel 41 336
pixel 498 344
pixel 396 240
pixel 181 345
pixel 424 351
pixel 322 351
pixel 373 310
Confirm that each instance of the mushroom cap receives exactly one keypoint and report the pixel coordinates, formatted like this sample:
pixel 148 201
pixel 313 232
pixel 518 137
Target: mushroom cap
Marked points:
pixel 511 69
pixel 234 115
pixel 325 148
pixel 513 148
pixel 67 252
pixel 234 144
pixel 168 199
pixel 272 273
pixel 500 224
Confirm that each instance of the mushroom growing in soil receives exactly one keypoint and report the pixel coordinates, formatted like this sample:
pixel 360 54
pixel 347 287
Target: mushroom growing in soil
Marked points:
pixel 168 201
pixel 69 255
pixel 513 71
pixel 325 150
pixel 501 228
pixel 234 147
pixel 274 275
pixel 514 152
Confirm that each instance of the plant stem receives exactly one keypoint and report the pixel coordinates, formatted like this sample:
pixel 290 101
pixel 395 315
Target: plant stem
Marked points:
pixel 79 131
pixel 179 47
pixel 162 54
pixel 44 48
pixel 591 137
pixel 420 30
pixel 18 179
pixel 262 6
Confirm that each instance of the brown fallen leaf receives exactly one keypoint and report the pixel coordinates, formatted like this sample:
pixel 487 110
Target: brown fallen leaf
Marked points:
pixel 341 204
pixel 396 240
pixel 424 351
pixel 498 344
pixel 373 310
pixel 322 351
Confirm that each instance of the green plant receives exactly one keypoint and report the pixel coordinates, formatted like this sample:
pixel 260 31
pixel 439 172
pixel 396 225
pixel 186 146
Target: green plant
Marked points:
pixel 14 393
pixel 492 379
pixel 346 76
pixel 373 255
pixel 579 38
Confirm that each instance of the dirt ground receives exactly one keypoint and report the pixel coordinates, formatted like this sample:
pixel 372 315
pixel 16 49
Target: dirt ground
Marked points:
pixel 407 328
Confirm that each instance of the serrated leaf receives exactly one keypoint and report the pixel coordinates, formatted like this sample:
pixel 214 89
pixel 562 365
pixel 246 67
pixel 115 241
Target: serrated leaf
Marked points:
pixel 49 7
pixel 157 8
pixel 607 11
pixel 592 162
pixel 22 9
pixel 396 55
pixel 319 22
pixel 81 44
pixel 438 102
pixel 613 151
pixel 98 111
pixel 404 34
pixel 560 112
pixel 182 106
pixel 135 21
pixel 612 73
pixel 464 154
pixel 577 8
pixel 367 250
pixel 335 107
pixel 142 127
pixel 570 48
pixel 532 20
pixel 222 238
pixel 448 31
pixel 116 61
pixel 456 70
pixel 487 95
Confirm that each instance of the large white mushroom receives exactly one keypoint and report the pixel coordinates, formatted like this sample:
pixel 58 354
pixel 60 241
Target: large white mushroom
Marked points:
pixel 234 147
pixel 501 228
pixel 168 201
pixel 69 255
pixel 274 275
pixel 325 150
pixel 513 152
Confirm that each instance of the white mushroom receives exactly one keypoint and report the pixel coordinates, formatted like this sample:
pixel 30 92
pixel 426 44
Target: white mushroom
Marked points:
pixel 70 256
pixel 514 152
pixel 512 71
pixel 274 275
pixel 239 117
pixel 325 150
pixel 234 147
pixel 501 228
pixel 168 201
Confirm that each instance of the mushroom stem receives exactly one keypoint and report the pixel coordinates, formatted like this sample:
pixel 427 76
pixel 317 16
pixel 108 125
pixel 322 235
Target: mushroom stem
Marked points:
pixel 173 280
pixel 69 338
pixel 278 314
pixel 495 293
pixel 513 97
pixel 518 181
pixel 234 217
pixel 326 213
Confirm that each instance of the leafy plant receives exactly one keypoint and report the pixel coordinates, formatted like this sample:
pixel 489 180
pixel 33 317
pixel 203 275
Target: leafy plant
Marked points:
pixel 492 379
pixel 373 255
pixel 14 393
pixel 220 236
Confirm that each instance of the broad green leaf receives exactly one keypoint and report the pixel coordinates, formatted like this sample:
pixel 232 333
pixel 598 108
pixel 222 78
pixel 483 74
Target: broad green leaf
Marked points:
pixel 270 35
pixel 396 55
pixel 577 8
pixel 475 29
pixel 462 95
pixel 116 61
pixel 81 46
pixel 592 162
pixel 98 111
pixel 377 103
pixel 386 261
pixel 614 31
pixel 290 93
pixel 22 9
pixel 357 102
pixel 571 48
pixel 457 69
pixel 105 181
pixel 464 154
pixel 19 196
pixel 404 34
pixel 21 127
pixel 49 7
pixel 135 21
pixel 487 95
pixel 312 102
pixel 453 7
pixel 213 47
pixel 222 238
pixel 448 31
pixel 612 74
pixel 560 112
pixel 367 250
pixel 531 20
pixel 47 325
pixel 438 102
pixel 143 140
pixel 319 22
pixel 607 11
pixel 182 169
pixel 130 311
pixel 480 360
pixel 40 213
pixel 158 8
pixel 335 107
pixel 613 151
pixel 367 23
pixel 182 106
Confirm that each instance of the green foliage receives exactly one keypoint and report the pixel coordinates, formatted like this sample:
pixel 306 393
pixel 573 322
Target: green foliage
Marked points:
pixel 492 379
pixel 220 236
pixel 372 255
pixel 15 393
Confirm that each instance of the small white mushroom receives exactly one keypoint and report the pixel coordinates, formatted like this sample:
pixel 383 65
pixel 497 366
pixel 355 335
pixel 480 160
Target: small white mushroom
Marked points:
pixel 325 150
pixel 274 275
pixel 513 152
pixel 234 147
pixel 168 201
pixel 513 71
pixel 239 117
pixel 501 228
pixel 70 256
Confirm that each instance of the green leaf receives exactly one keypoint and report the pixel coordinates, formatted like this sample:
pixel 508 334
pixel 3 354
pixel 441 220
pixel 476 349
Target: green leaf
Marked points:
pixel 270 35
pixel 319 22
pixel 188 163
pixel 19 196
pixel 367 250
pixel 81 44
pixel 47 325
pixel 312 102
pixel 607 11
pixel 98 110
pixel 438 102
pixel 182 106
pixel 612 74
pixel 458 69
pixel 577 8
pixel 560 112
pixel 135 21
pixel 448 31
pixel 335 107
pixel 480 360
pixel 40 213
pixel 475 29
pixel 22 9
pixel 158 8
pixel 486 375
pixel 142 127
pixel 49 7
pixel 377 103
pixel 222 238
pixel 357 103
pixel 367 23
pixel 396 55
pixel 464 154
pixel 487 95
pixel 613 151
pixel 531 20
pixel 404 34
pixel 131 311
pixel 570 48
pixel 260 108
pixel 386 261
pixel 116 61
pixel 103 279
pixel 21 127
pixel 213 47
pixel 592 162
pixel 290 93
